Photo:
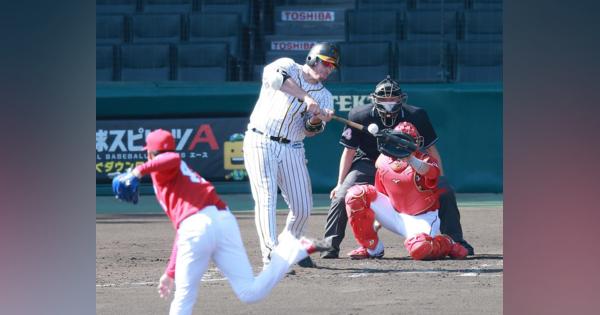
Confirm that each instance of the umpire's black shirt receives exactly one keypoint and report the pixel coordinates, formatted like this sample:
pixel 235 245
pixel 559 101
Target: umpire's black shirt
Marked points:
pixel 366 145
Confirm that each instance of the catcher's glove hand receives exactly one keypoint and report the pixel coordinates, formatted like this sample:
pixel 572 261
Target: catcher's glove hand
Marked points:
pixel 396 144
pixel 125 187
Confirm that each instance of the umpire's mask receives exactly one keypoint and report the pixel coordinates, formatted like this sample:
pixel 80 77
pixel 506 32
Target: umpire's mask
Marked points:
pixel 388 99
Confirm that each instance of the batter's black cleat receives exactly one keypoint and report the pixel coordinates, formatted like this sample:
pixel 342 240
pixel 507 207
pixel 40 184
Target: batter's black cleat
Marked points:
pixel 312 246
pixel 331 254
pixel 307 263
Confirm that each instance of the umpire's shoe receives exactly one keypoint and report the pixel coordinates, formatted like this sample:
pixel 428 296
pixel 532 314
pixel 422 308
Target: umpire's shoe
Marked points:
pixel 331 254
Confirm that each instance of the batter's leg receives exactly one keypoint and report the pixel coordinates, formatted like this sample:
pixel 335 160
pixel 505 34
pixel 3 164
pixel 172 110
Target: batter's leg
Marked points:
pixel 450 216
pixel 261 165
pixel 296 190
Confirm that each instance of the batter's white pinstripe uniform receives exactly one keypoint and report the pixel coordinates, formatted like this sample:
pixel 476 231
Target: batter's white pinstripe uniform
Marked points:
pixel 274 154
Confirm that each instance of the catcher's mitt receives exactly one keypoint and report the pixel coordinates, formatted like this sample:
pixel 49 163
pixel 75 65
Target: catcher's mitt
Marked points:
pixel 396 144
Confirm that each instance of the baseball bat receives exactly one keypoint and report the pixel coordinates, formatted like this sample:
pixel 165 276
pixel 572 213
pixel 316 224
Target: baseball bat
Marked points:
pixel 350 123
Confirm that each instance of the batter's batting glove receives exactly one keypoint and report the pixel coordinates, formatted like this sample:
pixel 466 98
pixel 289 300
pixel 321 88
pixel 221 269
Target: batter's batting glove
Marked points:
pixel 126 187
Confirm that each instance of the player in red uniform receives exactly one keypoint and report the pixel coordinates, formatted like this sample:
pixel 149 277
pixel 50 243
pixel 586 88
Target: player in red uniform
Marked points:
pixel 206 230
pixel 404 200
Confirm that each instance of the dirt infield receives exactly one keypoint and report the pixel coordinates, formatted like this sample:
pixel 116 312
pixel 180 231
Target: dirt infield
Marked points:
pixel 132 252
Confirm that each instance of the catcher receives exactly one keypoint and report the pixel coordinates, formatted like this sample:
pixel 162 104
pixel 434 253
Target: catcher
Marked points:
pixel 206 230
pixel 404 200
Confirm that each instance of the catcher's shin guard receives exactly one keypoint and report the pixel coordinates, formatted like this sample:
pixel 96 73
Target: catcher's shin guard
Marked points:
pixel 442 244
pixel 420 246
pixel 360 215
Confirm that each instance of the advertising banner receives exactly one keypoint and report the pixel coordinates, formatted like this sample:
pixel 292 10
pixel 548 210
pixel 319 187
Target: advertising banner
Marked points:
pixel 211 146
pixel 307 16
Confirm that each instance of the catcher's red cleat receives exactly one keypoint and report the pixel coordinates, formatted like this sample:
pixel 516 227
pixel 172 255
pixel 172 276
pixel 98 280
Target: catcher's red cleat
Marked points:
pixel 362 253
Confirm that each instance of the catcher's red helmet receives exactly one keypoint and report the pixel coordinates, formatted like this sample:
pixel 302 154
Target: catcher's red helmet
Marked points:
pixel 323 51
pixel 407 128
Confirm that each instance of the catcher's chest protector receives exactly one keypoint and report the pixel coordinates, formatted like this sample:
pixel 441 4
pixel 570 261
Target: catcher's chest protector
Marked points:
pixel 406 190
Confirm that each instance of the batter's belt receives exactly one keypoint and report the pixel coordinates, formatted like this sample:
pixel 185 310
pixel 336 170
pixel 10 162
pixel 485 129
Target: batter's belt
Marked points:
pixel 277 139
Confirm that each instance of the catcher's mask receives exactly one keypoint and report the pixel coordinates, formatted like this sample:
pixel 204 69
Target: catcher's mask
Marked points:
pixel 388 99
pixel 407 128
pixel 326 52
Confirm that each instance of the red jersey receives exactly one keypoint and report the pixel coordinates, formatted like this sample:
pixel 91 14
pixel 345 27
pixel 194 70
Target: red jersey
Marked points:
pixel 180 191
pixel 408 191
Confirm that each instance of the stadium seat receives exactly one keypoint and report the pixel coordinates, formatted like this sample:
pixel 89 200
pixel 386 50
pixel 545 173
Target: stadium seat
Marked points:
pixel 370 25
pixel 479 62
pixel 448 5
pixel 167 6
pixel 203 62
pixel 145 62
pixel 110 29
pixel 105 70
pixel 240 7
pixel 116 6
pixel 483 25
pixel 156 28
pixel 299 56
pixel 397 5
pixel 217 27
pixel 431 25
pixel 364 61
pixel 422 61
pixel 343 4
pixel 486 4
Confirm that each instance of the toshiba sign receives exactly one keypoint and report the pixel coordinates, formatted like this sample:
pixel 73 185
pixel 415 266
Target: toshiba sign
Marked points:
pixel 292 45
pixel 308 16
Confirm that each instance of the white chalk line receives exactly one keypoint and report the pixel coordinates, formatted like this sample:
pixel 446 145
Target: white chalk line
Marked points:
pixel 209 276
pixel 144 284
pixel 479 271
pixel 464 274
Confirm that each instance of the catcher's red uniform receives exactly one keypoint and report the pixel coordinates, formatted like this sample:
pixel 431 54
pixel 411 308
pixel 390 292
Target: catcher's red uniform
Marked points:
pixel 404 201
pixel 408 191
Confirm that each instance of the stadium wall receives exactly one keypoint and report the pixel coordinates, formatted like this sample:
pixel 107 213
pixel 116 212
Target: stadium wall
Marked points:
pixel 467 119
